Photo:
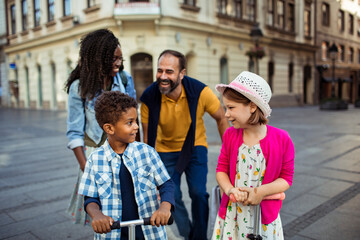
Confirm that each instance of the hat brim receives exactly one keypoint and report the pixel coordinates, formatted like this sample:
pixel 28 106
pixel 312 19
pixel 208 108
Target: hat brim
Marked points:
pixel 264 107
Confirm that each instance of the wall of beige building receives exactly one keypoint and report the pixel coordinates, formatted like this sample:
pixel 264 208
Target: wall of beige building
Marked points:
pixel 198 36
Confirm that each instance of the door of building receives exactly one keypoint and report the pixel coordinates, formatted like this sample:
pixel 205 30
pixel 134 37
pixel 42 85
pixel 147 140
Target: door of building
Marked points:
pixel 142 72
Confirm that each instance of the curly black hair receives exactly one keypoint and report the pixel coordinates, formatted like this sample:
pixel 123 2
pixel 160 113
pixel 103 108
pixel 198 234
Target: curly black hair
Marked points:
pixel 110 105
pixel 95 62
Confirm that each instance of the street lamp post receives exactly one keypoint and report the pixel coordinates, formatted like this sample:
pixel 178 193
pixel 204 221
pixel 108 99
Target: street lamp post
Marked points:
pixel 256 34
pixel 333 50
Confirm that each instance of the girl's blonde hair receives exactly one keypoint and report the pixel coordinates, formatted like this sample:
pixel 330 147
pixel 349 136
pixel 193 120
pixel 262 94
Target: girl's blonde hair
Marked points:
pixel 257 117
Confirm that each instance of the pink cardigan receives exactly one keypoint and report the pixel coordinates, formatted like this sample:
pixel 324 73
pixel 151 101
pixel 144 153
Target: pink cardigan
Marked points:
pixel 279 153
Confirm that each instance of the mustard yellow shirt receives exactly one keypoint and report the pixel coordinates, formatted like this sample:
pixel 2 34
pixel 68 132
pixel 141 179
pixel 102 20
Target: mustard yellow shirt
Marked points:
pixel 175 120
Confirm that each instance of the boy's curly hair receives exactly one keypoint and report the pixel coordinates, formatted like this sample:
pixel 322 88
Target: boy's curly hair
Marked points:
pixel 95 62
pixel 110 105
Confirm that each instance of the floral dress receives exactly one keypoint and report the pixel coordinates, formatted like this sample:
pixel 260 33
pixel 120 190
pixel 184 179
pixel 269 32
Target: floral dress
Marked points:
pixel 239 219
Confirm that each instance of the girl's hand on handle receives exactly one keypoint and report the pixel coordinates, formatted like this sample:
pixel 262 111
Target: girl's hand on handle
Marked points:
pixel 162 215
pixel 101 223
pixel 254 197
pixel 236 195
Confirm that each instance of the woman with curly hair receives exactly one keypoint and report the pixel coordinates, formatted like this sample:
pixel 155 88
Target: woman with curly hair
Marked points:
pixel 100 68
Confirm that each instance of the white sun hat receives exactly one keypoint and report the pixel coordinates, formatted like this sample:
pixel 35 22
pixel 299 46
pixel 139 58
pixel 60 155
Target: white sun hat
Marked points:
pixel 253 87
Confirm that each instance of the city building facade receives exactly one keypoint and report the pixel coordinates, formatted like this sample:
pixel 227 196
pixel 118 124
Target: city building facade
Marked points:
pixel 43 43
pixel 4 97
pixel 338 25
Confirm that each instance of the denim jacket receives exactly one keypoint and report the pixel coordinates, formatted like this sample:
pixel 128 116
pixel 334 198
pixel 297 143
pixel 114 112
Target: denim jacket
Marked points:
pixel 81 113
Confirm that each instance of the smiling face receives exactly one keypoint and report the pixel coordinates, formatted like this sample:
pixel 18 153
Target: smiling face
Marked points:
pixel 117 61
pixel 168 74
pixel 125 129
pixel 238 113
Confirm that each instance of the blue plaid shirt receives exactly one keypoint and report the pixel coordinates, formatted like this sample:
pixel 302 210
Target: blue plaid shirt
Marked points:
pixel 101 179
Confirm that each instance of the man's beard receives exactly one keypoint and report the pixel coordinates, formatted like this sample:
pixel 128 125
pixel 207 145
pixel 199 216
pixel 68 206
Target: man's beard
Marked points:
pixel 172 87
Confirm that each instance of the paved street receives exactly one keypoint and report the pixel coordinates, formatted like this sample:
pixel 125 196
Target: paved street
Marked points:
pixel 37 173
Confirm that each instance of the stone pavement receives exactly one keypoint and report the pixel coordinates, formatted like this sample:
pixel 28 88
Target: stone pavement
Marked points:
pixel 37 174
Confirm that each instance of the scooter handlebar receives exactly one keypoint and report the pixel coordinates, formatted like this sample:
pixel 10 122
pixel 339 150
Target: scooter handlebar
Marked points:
pixel 144 221
pixel 147 220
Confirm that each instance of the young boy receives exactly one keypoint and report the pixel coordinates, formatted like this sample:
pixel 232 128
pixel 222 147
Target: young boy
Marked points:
pixel 122 176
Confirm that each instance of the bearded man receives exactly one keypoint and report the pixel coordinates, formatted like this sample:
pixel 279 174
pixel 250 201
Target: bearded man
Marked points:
pixel 172 113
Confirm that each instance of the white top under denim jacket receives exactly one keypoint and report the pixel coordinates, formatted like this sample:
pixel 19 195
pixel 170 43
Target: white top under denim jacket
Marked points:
pixel 81 114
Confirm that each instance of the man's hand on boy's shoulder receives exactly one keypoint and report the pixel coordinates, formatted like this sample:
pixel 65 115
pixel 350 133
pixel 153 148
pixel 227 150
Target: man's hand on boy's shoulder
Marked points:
pixel 162 215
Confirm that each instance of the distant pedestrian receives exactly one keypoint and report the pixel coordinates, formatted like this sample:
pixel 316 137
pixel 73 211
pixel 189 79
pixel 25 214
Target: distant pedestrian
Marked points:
pixel 98 70
pixel 121 177
pixel 172 119
pixel 256 160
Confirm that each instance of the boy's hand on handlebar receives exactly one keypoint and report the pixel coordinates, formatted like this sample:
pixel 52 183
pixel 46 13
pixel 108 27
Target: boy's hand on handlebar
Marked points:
pixel 162 215
pixel 101 223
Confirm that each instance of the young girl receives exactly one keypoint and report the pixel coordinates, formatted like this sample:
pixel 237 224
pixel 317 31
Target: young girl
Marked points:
pixel 256 160
pixel 98 70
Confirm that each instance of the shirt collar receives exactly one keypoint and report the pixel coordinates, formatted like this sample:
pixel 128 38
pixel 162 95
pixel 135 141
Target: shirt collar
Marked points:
pixel 165 98
pixel 110 154
pixel 116 79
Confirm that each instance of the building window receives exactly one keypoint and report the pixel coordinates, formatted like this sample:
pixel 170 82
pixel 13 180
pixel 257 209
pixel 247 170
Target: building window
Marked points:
pixel 27 86
pixel 271 71
pixel 358 55
pixel 92 3
pixel 53 76
pixel 325 18
pixel 251 10
pixel 190 2
pixel 222 6
pixel 40 96
pixel 24 15
pixel 238 9
pixel 280 14
pixel 291 73
pixel 341 20
pixel 224 71
pixel 291 18
pixel 69 67
pixel 307 23
pixel 351 24
pixel 13 18
pixel 51 10
pixel 351 55
pixel 270 13
pixel 342 53
pixel 37 13
pixel 67 7
pixel 324 50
